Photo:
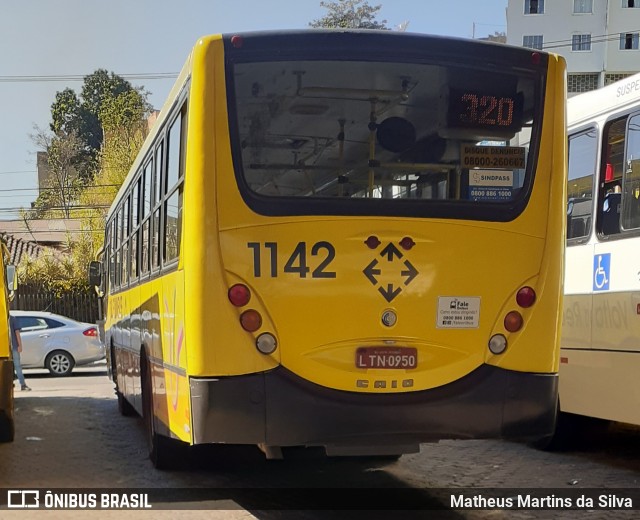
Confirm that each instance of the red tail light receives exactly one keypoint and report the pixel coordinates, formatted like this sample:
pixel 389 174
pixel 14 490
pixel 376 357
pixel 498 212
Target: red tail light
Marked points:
pixel 239 295
pixel 92 332
pixel 526 297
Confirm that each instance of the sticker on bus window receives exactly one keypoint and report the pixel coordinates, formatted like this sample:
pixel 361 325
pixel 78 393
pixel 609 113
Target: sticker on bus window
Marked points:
pixel 458 312
pixel 490 184
pixel 495 157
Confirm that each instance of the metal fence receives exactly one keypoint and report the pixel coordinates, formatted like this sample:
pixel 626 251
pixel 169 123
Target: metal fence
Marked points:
pixel 80 306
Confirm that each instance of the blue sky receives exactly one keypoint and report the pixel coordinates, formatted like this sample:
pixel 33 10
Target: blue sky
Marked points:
pixel 76 37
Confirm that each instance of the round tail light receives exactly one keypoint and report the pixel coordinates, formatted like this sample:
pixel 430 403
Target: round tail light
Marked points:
pixel 513 321
pixel 498 344
pixel 251 320
pixel 266 343
pixel 239 295
pixel 526 297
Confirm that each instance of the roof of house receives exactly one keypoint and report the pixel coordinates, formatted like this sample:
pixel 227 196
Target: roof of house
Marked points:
pixel 19 248
pixel 48 232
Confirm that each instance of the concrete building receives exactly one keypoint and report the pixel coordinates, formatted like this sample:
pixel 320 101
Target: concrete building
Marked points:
pixel 598 38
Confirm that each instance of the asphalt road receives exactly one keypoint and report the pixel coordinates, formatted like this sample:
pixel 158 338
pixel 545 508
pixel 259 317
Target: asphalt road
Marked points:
pixel 70 435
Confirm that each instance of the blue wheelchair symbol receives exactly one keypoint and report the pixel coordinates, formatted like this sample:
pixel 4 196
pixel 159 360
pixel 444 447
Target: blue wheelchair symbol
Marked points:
pixel 601 272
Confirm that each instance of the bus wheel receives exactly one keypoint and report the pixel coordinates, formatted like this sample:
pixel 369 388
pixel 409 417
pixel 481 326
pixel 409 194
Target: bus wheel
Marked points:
pixel 7 430
pixel 164 452
pixel 125 408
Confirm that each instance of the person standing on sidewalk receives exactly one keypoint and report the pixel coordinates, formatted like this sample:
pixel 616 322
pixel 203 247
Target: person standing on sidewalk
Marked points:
pixel 16 346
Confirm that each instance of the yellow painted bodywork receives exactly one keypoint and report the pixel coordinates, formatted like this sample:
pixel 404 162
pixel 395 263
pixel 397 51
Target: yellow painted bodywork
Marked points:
pixel 320 322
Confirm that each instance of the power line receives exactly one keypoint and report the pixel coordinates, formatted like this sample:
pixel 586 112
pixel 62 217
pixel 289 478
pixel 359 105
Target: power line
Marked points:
pixel 18 171
pixel 56 188
pixel 601 38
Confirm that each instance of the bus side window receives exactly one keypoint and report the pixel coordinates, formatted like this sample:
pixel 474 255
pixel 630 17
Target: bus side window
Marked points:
pixel 614 138
pixel 631 177
pixel 583 148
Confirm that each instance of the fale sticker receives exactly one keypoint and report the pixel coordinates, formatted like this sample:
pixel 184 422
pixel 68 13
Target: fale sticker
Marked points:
pixel 458 312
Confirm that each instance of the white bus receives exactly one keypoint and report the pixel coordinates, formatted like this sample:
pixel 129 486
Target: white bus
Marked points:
pixel 600 353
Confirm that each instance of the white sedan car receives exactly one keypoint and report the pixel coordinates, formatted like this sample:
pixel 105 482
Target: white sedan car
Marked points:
pixel 56 342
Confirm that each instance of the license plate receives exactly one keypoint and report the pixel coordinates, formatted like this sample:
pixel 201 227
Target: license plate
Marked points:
pixel 387 357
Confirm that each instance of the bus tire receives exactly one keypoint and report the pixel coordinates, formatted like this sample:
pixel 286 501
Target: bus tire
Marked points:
pixel 7 428
pixel 125 408
pixel 165 453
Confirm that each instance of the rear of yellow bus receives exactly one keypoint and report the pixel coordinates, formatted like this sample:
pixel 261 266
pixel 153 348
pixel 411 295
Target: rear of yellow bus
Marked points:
pixel 371 260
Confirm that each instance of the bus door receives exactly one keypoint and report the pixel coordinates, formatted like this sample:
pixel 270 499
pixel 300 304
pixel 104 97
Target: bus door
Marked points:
pixel 583 148
pixel 616 267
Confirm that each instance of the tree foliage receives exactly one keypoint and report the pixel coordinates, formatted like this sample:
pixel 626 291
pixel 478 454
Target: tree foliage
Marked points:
pixel 93 141
pixel 349 14
pixel 71 113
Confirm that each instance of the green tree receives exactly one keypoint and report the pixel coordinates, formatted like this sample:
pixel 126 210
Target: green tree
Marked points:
pixel 71 113
pixel 349 14
pixel 125 128
pixel 121 114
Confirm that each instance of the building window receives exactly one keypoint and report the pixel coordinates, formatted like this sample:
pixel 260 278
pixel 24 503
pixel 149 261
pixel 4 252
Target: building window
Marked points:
pixel 612 77
pixel 628 41
pixel 532 42
pixel 630 3
pixel 581 82
pixel 533 6
pixel 583 6
pixel 581 42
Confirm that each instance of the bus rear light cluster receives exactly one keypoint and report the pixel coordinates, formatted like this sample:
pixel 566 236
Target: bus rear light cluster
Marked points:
pixel 513 321
pixel 250 319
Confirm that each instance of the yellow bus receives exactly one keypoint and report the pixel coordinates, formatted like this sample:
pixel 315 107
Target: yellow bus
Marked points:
pixel 7 284
pixel 601 320
pixel 332 239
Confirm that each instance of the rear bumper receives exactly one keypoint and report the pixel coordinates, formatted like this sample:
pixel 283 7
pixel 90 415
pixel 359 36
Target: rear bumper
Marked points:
pixel 278 408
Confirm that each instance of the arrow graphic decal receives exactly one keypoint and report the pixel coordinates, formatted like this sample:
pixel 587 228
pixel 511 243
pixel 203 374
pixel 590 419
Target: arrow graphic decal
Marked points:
pixel 410 273
pixel 389 293
pixel 389 269
pixel 371 272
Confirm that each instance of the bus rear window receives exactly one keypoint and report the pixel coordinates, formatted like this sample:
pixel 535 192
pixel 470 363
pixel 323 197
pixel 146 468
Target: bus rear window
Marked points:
pixel 383 131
